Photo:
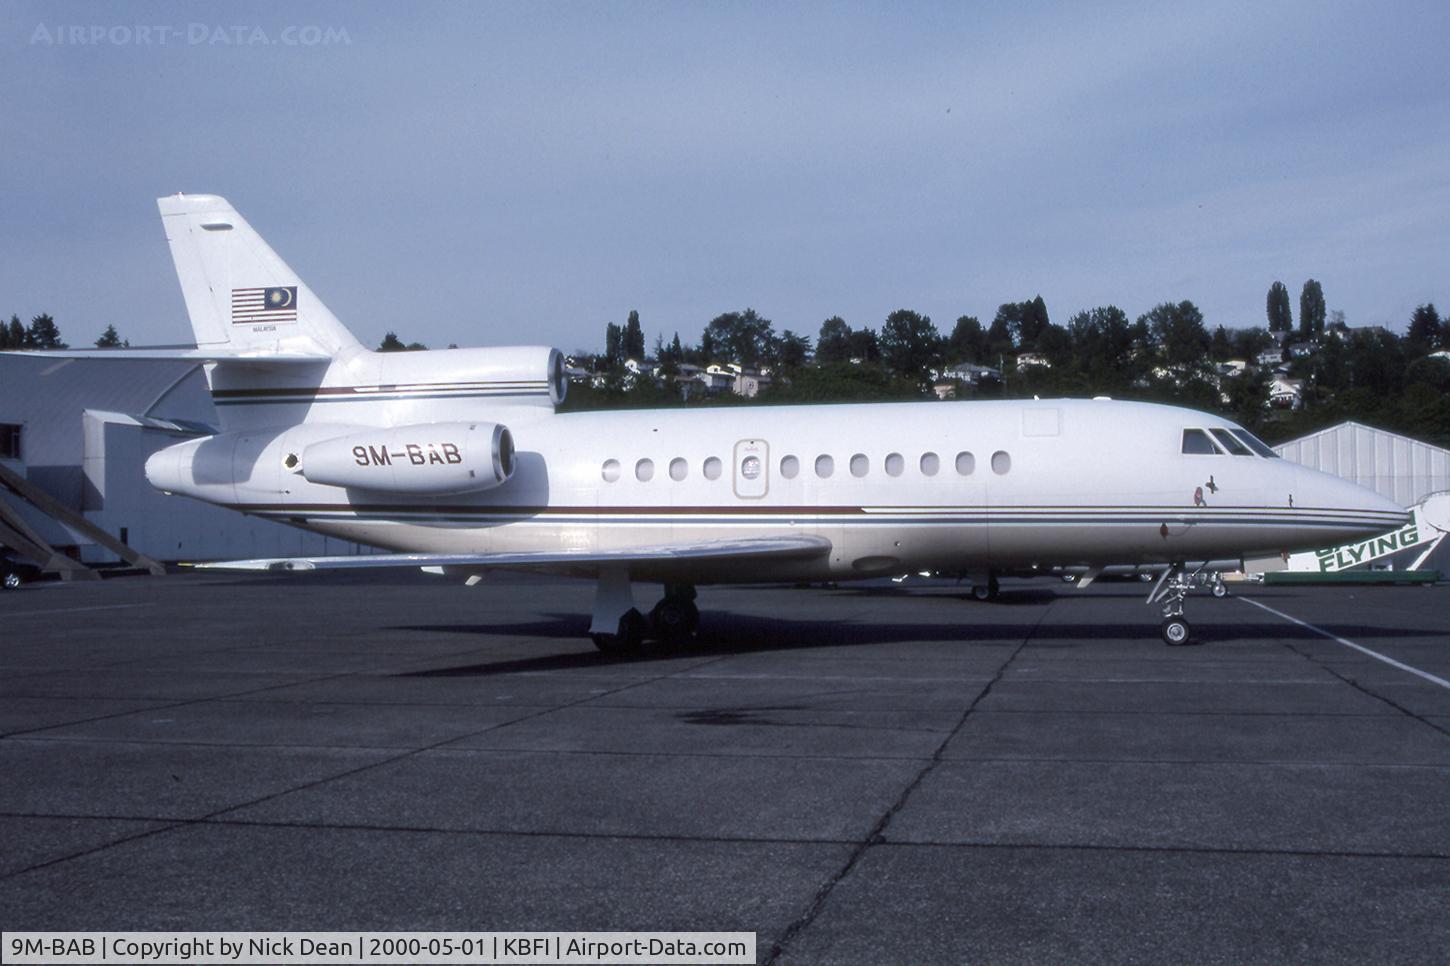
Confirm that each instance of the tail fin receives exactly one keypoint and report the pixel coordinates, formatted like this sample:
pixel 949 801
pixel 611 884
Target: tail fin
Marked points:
pixel 238 293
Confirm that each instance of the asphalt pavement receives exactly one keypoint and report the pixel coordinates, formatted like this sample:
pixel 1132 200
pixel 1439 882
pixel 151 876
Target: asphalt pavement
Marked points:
pixel 873 773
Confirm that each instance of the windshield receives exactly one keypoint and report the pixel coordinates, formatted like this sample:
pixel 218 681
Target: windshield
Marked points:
pixel 1254 443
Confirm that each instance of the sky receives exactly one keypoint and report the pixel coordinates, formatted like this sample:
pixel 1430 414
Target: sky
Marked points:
pixel 512 173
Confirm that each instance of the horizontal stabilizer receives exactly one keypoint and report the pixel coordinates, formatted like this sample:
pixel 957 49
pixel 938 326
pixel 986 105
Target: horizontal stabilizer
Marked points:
pixel 217 354
pixel 720 550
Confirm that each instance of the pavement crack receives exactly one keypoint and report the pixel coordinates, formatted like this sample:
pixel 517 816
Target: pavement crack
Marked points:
pixel 877 835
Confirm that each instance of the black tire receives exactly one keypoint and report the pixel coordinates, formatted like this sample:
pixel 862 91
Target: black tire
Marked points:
pixel 1219 590
pixel 981 592
pixel 674 619
pixel 1177 632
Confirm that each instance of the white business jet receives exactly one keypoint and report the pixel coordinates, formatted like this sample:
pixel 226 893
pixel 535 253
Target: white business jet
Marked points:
pixel 456 460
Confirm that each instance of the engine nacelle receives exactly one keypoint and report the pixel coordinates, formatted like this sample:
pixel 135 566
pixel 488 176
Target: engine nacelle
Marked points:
pixel 427 459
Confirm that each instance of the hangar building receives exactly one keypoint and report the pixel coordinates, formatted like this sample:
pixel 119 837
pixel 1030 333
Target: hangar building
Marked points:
pixel 1403 469
pixel 81 430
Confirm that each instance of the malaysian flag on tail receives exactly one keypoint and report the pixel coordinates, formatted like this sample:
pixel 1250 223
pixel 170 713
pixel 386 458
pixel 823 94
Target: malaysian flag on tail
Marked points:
pixel 277 304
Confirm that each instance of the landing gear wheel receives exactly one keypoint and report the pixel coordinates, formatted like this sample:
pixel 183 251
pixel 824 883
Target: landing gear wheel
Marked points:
pixel 1176 632
pixel 987 590
pixel 12 580
pixel 1219 590
pixel 629 638
pixel 674 618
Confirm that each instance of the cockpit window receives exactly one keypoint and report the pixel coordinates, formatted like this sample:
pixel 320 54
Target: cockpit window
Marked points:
pixel 1230 443
pixel 1197 442
pixel 1254 443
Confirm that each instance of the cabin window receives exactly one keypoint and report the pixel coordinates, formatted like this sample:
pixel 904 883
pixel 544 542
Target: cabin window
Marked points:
pixel 895 465
pixel 712 468
pixel 1001 462
pixel 1227 440
pixel 825 466
pixel 644 470
pixel 929 464
pixel 790 467
pixel 610 472
pixel 860 465
pixel 966 463
pixel 679 469
pixel 1197 443
pixel 1254 443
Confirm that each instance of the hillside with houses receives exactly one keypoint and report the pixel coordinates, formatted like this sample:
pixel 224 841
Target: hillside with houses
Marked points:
pixel 1285 378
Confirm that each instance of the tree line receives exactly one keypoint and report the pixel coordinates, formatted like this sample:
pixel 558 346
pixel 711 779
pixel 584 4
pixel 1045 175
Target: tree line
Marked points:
pixel 1167 354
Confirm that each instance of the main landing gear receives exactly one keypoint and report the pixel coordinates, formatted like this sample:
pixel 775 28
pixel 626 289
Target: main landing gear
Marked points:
pixel 984 585
pixel 1172 590
pixel 619 628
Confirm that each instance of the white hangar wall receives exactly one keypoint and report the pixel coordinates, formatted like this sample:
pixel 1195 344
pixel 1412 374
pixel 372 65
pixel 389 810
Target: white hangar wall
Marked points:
pixel 88 427
pixel 1403 469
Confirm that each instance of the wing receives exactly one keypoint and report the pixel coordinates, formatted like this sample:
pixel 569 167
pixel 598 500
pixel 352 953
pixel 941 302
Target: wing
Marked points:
pixel 561 561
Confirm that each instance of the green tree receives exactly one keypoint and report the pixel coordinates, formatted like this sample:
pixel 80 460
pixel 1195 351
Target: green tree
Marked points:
pixel 1102 344
pixel 1425 334
pixel 1311 310
pixel 614 353
pixel 1376 363
pixel 791 351
pixel 999 336
pixel 1281 317
pixel 43 333
pixel 1178 334
pixel 633 346
pixel 841 382
pixel 671 356
pixel 1248 343
pixel 910 345
pixel 1024 321
pixel 864 345
pixel 1220 345
pixel 968 341
pixel 12 336
pixel 745 337
pixel 391 343
pixel 110 339
pixel 833 344
pixel 1055 345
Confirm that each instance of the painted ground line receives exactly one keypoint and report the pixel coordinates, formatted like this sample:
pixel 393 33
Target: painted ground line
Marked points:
pixel 1348 643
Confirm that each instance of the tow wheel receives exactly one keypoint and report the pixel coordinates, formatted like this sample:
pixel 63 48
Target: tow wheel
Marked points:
pixel 629 638
pixel 1176 631
pixel 13 580
pixel 674 618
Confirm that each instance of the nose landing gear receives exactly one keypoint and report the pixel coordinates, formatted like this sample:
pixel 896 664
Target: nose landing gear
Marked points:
pixel 1172 589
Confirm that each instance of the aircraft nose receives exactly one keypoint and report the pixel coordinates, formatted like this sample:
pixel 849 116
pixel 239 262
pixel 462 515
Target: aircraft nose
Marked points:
pixel 1368 512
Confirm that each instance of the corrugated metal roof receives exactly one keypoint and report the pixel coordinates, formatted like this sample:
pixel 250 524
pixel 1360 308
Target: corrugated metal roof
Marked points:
pixel 48 397
pixel 1403 469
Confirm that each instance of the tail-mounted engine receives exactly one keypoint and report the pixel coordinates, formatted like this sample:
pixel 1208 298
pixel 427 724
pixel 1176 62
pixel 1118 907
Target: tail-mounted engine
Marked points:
pixel 427 459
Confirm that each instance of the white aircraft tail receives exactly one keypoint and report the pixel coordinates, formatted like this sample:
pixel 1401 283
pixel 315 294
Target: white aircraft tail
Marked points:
pixel 241 297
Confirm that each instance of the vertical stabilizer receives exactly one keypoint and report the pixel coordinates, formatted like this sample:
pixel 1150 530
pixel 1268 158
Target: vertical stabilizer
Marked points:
pixel 238 292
